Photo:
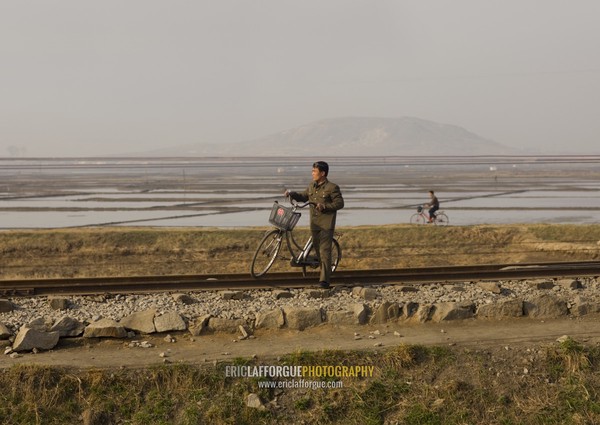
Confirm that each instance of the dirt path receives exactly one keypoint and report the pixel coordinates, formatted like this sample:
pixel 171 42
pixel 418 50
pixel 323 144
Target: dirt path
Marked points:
pixel 493 335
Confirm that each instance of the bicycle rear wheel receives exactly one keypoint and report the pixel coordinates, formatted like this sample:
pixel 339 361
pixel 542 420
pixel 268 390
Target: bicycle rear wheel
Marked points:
pixel 441 219
pixel 266 253
pixel 336 256
pixel 417 218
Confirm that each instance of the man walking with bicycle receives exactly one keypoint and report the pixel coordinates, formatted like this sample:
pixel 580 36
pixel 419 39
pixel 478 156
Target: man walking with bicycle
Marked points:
pixel 325 200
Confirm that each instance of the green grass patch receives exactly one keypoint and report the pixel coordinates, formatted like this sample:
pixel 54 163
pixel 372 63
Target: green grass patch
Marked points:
pixel 411 385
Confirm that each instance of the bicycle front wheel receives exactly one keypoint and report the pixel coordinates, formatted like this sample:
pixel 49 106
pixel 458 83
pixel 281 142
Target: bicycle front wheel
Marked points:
pixel 417 218
pixel 266 253
pixel 441 219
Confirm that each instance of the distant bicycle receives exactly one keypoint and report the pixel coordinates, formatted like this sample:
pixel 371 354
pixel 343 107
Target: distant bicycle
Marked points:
pixel 285 219
pixel 421 217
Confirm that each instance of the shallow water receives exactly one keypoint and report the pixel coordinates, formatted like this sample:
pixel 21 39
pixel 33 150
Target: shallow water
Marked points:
pixel 240 193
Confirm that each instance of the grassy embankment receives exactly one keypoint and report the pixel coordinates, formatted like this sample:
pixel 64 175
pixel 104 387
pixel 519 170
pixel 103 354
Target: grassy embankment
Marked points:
pixel 145 251
pixel 411 385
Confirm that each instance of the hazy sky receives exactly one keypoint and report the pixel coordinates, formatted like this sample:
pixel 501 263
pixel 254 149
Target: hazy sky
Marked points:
pixel 108 77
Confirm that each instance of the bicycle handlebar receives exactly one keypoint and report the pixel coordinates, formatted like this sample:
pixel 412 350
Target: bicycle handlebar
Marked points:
pixel 297 205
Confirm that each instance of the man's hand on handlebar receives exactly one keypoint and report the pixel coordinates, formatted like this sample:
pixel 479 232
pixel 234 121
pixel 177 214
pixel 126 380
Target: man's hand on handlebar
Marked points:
pixel 320 207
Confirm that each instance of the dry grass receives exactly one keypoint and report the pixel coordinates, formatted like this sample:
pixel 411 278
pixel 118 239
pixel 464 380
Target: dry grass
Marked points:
pixel 144 251
pixel 159 251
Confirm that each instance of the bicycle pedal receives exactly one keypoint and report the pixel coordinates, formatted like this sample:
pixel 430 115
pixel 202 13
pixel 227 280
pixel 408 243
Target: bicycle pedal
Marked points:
pixel 294 263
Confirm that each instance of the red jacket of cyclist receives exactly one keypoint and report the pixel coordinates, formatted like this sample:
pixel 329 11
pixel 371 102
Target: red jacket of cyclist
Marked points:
pixel 326 199
pixel 433 205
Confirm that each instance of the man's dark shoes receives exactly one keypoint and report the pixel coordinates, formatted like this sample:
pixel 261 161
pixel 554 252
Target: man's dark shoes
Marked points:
pixel 324 285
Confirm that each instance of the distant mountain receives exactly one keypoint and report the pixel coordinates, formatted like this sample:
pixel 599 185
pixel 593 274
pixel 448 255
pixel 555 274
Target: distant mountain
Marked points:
pixel 356 136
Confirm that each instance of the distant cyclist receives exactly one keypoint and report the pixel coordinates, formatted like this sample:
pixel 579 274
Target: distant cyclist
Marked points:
pixel 433 205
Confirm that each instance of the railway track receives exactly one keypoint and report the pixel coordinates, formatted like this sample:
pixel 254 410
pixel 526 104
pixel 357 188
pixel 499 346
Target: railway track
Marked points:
pixel 148 284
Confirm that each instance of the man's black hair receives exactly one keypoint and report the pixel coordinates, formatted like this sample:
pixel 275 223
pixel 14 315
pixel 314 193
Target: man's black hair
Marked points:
pixel 322 166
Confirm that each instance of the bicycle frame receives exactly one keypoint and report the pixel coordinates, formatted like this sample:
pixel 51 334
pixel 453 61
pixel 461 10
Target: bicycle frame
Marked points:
pixel 422 217
pixel 425 216
pixel 302 258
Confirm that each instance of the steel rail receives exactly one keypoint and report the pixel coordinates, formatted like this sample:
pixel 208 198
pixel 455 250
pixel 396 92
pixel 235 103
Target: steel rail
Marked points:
pixel 169 283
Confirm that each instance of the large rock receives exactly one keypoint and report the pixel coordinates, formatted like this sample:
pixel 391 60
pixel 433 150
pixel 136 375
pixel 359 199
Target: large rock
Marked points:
pixel 5 333
pixel 452 311
pixel 104 328
pixel 271 319
pixel 361 312
pixel 422 314
pixel 140 321
pixel 219 324
pixel 545 306
pixel 40 324
pixel 385 312
pixel 581 307
pixel 68 326
pixel 340 317
pixel 170 321
pixel 368 294
pixel 199 325
pixel 28 339
pixel 6 306
pixel 409 309
pixel 512 307
pixel 301 318
pixel 358 315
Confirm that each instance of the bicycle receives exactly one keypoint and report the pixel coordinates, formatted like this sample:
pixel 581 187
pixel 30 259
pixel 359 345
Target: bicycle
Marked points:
pixel 420 217
pixel 268 250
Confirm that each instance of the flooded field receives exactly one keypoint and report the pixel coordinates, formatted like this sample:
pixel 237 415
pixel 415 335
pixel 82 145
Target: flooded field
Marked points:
pixel 239 192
